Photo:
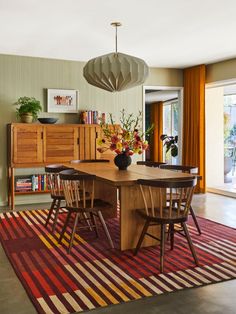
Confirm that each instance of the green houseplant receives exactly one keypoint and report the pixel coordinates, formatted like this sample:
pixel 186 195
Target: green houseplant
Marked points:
pixel 171 143
pixel 28 109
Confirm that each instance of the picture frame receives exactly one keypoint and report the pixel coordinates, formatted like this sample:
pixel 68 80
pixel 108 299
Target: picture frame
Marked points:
pixel 62 100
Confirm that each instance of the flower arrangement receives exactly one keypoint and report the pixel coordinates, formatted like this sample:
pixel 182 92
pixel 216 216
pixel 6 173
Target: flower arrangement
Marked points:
pixel 124 138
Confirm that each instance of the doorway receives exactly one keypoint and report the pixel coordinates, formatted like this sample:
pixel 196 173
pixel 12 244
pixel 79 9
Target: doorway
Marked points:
pixel 171 100
pixel 221 138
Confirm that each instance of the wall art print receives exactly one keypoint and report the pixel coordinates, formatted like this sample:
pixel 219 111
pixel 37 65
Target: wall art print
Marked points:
pixel 63 100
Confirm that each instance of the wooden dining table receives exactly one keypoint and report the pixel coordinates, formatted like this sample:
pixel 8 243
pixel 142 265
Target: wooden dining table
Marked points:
pixel 120 188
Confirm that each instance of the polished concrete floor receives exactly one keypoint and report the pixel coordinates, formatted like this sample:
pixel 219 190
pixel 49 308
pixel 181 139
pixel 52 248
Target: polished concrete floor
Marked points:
pixel 218 298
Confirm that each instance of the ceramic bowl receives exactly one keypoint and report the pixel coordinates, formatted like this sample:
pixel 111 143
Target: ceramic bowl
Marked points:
pixel 47 120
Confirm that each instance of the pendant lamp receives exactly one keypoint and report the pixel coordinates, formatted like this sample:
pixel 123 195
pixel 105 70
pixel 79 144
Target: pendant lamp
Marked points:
pixel 115 71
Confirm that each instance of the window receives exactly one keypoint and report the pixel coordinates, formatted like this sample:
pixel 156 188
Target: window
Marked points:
pixel 170 125
pixel 229 137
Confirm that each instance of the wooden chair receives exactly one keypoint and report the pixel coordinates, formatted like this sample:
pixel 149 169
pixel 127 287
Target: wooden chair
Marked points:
pixel 158 210
pixel 78 161
pixel 57 196
pixel 185 169
pixel 155 164
pixel 76 186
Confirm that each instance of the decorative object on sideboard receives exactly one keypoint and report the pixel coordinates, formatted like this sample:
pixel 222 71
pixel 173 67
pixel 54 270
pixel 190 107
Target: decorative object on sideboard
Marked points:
pixel 124 139
pixel 28 109
pixel 171 143
pixel 116 71
pixel 92 117
pixel 63 100
pixel 48 120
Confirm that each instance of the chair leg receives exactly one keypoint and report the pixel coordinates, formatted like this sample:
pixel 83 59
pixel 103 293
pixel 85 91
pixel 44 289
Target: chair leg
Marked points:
pixel 87 220
pixel 168 233
pixel 190 243
pixel 105 229
pixel 64 227
pixel 73 232
pixel 50 212
pixel 94 222
pixel 57 209
pixel 172 235
pixel 162 248
pixel 195 220
pixel 140 241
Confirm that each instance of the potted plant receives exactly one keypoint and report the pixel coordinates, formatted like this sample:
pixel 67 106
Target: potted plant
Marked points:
pixel 171 143
pixel 28 109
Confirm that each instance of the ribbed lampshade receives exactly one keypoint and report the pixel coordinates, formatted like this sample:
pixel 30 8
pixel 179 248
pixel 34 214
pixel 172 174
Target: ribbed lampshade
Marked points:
pixel 115 71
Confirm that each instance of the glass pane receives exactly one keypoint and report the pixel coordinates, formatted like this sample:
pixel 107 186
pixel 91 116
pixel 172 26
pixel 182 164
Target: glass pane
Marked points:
pixel 170 126
pixel 175 119
pixel 167 119
pixel 229 137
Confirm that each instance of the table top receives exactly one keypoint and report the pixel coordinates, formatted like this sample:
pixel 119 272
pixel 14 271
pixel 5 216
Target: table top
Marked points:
pixel 108 172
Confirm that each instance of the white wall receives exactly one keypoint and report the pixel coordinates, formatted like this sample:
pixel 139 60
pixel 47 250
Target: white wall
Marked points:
pixel 214 137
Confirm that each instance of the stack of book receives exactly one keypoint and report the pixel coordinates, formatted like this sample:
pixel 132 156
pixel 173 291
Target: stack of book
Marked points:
pixel 23 184
pixel 31 183
pixel 92 117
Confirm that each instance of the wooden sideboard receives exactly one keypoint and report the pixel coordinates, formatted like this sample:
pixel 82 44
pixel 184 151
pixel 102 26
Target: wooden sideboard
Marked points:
pixel 37 145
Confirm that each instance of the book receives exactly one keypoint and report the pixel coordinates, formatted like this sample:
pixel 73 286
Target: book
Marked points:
pixel 91 117
pixel 23 183
pixel 39 182
pixel 33 182
pixel 42 182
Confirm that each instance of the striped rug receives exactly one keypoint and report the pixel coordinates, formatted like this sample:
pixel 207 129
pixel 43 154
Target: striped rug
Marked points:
pixel 96 276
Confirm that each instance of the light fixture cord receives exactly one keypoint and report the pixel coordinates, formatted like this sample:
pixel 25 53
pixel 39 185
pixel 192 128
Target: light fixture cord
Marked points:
pixel 116 24
pixel 116 39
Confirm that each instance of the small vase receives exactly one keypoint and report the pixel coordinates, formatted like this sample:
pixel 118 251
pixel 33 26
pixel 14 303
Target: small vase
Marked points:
pixel 26 118
pixel 122 161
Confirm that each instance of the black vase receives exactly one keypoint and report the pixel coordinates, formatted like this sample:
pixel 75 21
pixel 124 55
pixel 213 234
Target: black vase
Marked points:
pixel 122 161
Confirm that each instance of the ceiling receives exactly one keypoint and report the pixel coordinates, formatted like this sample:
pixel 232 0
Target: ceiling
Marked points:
pixel 163 33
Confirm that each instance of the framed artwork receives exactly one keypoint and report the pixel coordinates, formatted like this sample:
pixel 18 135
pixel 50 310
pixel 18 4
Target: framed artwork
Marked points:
pixel 63 100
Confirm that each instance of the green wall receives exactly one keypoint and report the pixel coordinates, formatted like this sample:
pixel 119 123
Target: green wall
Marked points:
pixel 27 76
pixel 221 71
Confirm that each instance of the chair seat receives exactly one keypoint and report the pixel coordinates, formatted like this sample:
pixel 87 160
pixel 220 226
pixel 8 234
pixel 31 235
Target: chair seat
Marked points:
pixel 165 218
pixel 61 196
pixel 99 205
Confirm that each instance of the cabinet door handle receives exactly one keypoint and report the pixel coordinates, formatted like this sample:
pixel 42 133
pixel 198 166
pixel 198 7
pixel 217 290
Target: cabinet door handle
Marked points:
pixel 78 140
pixel 41 135
pixel 96 134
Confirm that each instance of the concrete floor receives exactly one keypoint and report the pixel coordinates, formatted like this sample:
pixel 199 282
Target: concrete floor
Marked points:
pixel 218 298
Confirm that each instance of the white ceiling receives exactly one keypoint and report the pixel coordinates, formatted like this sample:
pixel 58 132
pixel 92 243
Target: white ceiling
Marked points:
pixel 167 33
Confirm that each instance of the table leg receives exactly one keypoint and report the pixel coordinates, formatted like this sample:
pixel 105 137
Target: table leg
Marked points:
pixel 131 224
pixel 109 194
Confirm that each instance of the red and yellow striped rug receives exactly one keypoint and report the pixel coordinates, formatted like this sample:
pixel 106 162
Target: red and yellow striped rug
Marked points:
pixel 96 276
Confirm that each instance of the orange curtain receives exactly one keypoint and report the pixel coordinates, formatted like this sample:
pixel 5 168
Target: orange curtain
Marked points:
pixel 156 146
pixel 193 153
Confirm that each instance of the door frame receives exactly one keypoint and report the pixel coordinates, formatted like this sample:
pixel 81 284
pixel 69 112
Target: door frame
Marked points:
pixel 221 190
pixel 180 89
